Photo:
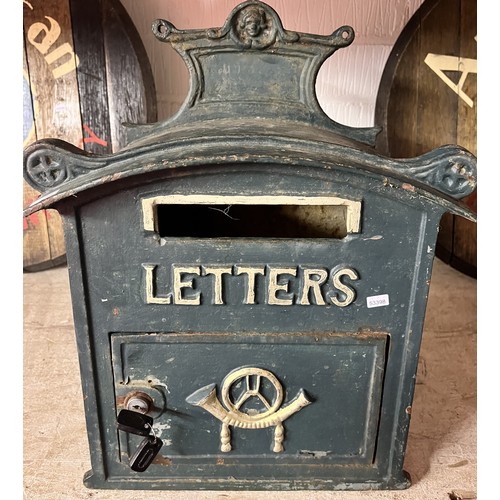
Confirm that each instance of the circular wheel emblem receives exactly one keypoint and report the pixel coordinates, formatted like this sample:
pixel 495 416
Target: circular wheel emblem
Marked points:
pixel 252 378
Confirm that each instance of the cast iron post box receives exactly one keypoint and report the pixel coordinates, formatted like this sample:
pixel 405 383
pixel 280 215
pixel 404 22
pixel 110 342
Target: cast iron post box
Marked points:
pixel 249 278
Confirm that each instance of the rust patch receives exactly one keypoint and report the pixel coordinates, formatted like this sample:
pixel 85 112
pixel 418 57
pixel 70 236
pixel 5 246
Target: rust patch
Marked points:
pixel 408 187
pixel 161 460
pixel 116 311
pixel 220 461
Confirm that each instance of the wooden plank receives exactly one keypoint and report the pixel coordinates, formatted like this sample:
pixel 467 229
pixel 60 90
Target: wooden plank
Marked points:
pixel 51 64
pixel 76 95
pixel 29 135
pixel 88 39
pixel 36 246
pixel 437 106
pixel 406 97
pixel 437 110
pixel 398 93
pixel 131 90
pixel 421 108
pixel 465 231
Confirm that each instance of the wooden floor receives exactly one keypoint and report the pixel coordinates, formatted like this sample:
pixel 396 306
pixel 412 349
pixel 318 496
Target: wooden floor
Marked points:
pixel 441 453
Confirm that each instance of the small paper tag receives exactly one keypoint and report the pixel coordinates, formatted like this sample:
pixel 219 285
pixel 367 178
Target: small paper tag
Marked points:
pixel 377 301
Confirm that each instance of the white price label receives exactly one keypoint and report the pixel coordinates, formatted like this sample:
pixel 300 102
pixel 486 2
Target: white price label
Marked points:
pixel 377 301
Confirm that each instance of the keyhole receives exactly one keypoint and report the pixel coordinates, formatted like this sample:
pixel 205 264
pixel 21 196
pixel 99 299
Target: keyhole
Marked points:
pixel 139 402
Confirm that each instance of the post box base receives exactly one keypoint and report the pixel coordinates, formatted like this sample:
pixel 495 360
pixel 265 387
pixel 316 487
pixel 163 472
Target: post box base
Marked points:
pixel 94 481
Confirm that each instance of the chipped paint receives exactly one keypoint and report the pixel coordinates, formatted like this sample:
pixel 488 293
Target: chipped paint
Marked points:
pixel 408 187
pixel 315 454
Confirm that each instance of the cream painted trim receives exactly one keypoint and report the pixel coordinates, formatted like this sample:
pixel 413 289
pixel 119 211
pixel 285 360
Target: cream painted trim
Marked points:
pixel 149 212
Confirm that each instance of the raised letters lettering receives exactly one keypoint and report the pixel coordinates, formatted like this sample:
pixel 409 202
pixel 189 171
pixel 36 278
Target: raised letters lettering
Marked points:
pixel 217 272
pixel 349 292
pixel 310 283
pixel 251 273
pixel 282 286
pixel 275 285
pixel 150 287
pixel 179 284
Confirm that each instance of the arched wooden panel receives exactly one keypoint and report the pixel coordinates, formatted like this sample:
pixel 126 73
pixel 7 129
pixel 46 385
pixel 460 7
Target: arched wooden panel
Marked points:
pixel 85 73
pixel 428 96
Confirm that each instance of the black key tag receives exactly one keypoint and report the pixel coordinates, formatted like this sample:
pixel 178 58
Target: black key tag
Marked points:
pixel 134 422
pixel 145 453
pixel 142 425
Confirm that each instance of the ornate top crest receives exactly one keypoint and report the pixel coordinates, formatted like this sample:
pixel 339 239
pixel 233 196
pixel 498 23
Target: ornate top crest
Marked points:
pixel 253 66
pixel 252 95
pixel 251 25
pixel 255 27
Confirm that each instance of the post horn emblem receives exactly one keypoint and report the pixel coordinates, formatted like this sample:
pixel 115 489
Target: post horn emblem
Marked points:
pixel 232 415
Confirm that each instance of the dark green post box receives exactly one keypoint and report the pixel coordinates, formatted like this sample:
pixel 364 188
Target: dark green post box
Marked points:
pixel 249 278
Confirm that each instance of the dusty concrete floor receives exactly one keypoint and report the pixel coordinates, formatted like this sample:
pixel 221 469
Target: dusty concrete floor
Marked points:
pixel 441 453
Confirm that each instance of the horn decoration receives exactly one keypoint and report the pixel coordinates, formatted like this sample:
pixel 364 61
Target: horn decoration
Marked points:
pixel 206 398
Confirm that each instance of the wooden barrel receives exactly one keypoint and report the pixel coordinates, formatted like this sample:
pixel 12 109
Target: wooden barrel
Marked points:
pixel 427 98
pixel 85 73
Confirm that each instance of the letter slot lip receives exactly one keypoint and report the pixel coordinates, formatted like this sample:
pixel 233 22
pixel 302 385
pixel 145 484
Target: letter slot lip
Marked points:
pixel 289 216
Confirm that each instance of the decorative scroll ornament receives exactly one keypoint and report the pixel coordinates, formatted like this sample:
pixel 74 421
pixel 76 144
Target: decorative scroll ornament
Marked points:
pixel 46 170
pixel 453 172
pixel 450 169
pixel 232 415
pixel 51 163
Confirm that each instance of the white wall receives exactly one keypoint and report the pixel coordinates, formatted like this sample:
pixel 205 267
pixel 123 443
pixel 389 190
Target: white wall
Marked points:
pixel 347 83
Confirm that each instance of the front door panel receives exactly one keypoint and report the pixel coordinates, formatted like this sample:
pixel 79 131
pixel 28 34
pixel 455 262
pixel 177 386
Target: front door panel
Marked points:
pixel 259 398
